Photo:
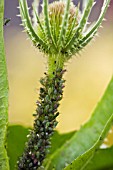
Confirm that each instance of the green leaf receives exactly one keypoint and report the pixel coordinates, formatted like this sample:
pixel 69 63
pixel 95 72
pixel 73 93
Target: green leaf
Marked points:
pixel 82 145
pixel 58 140
pixel 102 160
pixel 16 143
pixel 4 164
pixel 81 161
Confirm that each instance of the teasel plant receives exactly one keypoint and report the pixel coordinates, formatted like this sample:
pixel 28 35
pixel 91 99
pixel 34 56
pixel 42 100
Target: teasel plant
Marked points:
pixel 60 32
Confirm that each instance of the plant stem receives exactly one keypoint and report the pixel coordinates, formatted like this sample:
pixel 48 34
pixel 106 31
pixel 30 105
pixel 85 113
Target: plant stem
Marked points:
pixel 4 163
pixel 51 93
pixel 55 62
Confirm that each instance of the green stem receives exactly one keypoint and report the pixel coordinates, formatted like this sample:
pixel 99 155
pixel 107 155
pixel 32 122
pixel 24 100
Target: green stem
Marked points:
pixel 51 93
pixel 55 62
pixel 4 163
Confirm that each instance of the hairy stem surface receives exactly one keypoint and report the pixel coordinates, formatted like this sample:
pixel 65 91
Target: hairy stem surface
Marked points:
pixel 4 164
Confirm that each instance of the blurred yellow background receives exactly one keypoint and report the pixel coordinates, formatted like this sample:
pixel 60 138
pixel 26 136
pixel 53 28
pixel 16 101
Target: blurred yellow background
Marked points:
pixel 86 79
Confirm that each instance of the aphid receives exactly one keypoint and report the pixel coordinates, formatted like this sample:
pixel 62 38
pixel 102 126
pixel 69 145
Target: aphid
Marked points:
pixel 6 21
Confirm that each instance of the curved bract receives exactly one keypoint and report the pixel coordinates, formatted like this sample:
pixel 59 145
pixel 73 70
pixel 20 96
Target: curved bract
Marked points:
pixel 61 27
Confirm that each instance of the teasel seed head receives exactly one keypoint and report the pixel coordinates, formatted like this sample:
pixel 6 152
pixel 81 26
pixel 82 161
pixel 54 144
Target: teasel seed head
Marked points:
pixel 56 11
pixel 61 28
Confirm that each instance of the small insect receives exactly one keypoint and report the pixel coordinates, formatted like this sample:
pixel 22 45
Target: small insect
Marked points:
pixel 6 21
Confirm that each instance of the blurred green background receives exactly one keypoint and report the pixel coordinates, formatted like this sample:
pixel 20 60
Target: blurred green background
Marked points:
pixel 86 79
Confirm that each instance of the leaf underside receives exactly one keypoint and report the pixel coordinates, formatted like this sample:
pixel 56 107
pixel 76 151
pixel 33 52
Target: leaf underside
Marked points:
pixel 3 97
pixel 102 160
pixel 82 146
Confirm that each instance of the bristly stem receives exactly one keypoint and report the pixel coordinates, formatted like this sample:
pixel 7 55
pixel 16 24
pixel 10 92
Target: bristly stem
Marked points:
pixel 55 61
pixel 4 161
pixel 39 143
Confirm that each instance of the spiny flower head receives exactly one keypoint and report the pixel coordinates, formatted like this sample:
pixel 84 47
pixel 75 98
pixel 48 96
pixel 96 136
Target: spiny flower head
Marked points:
pixel 61 27
pixel 56 13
